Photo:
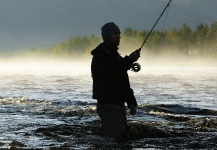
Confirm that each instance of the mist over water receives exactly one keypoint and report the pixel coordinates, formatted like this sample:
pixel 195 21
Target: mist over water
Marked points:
pixel 151 63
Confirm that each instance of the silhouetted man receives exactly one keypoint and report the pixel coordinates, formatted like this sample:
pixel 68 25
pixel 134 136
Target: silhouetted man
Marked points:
pixel 111 87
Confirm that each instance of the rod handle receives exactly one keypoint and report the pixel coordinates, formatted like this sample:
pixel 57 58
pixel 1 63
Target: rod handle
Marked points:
pixel 137 51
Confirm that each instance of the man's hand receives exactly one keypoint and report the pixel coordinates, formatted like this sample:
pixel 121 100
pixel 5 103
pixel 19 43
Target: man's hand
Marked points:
pixel 132 110
pixel 134 56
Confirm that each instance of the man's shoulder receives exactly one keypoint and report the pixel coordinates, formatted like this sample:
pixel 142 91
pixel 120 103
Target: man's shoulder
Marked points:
pixel 101 51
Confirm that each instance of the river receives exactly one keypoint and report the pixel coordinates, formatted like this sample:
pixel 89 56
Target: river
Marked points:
pixel 177 110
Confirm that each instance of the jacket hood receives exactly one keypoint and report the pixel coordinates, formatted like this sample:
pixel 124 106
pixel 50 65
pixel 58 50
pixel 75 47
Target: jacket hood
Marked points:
pixel 96 50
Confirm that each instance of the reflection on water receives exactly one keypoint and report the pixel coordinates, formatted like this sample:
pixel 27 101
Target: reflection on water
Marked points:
pixel 177 110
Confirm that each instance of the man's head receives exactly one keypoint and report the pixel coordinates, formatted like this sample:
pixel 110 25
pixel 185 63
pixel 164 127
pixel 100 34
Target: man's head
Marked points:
pixel 111 33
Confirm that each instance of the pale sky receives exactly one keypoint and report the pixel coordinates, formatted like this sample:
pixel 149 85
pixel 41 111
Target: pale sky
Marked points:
pixel 28 24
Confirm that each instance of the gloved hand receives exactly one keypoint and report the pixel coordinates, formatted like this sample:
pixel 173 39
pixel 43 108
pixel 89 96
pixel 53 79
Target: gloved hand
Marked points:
pixel 133 110
pixel 134 56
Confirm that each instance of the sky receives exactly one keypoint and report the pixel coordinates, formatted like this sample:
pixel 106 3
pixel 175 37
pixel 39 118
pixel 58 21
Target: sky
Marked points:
pixel 39 24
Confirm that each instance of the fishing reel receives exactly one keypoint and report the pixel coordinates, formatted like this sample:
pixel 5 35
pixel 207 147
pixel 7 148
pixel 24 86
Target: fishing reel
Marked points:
pixel 136 67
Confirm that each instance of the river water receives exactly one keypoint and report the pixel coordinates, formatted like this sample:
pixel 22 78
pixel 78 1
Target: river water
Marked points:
pixel 177 110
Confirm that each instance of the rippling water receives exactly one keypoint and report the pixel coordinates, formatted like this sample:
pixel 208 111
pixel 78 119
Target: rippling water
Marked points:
pixel 177 110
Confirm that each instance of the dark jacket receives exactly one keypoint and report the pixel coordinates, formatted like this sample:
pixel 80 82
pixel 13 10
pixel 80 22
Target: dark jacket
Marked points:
pixel 110 79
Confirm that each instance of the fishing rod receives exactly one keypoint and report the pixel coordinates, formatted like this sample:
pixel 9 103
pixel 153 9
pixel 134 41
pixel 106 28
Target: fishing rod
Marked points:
pixel 136 67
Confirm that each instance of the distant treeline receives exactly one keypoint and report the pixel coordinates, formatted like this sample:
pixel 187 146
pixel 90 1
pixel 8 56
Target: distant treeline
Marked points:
pixel 76 46
pixel 201 41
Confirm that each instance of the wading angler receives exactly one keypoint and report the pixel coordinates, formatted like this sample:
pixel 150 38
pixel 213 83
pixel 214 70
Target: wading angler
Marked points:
pixel 111 86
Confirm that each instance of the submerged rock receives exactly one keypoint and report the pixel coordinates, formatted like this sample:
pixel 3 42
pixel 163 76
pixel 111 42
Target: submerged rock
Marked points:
pixel 138 130
pixel 141 130
pixel 16 145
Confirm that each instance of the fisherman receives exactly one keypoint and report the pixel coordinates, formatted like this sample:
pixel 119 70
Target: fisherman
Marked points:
pixel 111 87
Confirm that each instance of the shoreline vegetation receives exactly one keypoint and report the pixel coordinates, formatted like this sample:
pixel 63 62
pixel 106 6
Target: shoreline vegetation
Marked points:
pixel 183 45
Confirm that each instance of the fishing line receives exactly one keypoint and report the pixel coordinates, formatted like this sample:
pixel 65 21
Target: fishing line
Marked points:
pixel 136 67
pixel 159 39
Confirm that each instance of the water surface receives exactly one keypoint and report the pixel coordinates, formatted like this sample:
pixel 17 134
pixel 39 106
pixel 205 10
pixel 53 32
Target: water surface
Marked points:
pixel 177 109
